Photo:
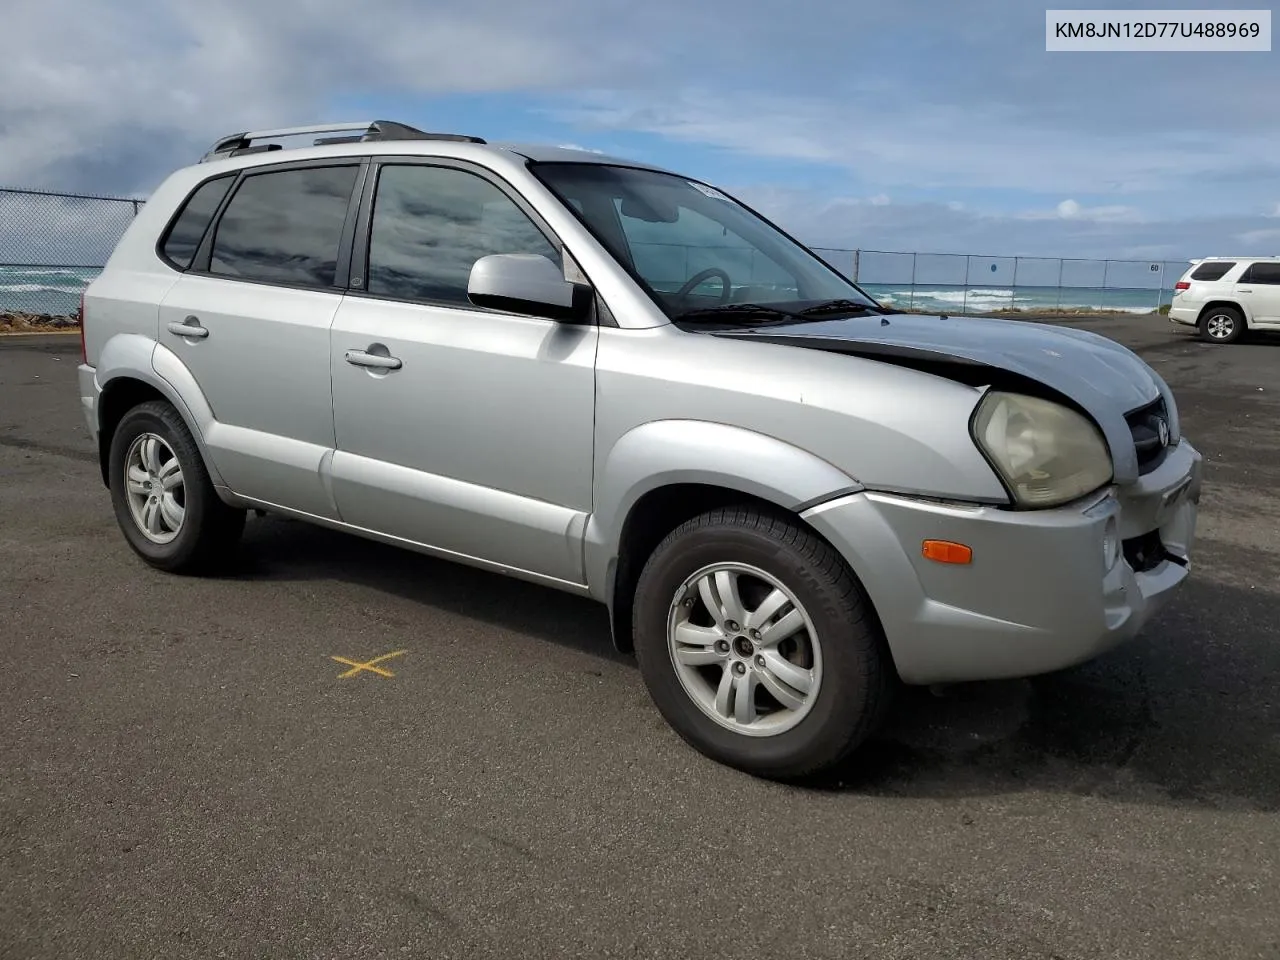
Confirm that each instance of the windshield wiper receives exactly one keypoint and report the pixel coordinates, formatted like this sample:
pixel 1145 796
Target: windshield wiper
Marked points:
pixel 726 312
pixel 835 306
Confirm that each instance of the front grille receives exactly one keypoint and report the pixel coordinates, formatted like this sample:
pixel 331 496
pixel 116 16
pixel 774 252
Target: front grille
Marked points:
pixel 1144 424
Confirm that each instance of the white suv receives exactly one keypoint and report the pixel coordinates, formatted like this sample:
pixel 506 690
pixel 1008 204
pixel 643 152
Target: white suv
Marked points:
pixel 1225 297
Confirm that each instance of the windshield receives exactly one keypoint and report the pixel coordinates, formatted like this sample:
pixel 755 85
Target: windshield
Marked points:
pixel 692 247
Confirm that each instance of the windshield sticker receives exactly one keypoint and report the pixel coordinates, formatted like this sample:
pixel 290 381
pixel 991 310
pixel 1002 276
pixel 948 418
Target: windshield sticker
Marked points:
pixel 706 191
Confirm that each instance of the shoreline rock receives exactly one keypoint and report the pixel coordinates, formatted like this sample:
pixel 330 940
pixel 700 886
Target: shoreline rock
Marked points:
pixel 12 322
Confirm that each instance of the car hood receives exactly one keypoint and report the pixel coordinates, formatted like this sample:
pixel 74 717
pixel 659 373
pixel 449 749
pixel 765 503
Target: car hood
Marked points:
pixel 1104 378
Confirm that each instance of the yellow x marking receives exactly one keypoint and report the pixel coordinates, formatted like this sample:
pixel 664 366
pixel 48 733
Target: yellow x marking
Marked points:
pixel 370 665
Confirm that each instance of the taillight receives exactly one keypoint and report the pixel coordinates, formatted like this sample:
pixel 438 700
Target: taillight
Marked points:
pixel 84 351
pixel 1182 285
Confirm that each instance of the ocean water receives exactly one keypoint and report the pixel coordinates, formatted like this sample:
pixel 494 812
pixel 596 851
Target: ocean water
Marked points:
pixel 56 290
pixel 53 290
pixel 944 298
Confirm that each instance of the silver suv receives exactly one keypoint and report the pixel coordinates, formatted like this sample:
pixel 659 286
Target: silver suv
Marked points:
pixel 620 382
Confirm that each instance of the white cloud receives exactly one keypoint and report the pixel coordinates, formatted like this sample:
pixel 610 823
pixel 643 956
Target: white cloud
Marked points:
pixel 1073 210
pixel 1253 237
pixel 115 95
pixel 110 96
pixel 944 228
pixel 892 140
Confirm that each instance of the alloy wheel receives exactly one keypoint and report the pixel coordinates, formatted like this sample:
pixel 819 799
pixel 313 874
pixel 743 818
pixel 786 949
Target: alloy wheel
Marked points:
pixel 155 488
pixel 744 649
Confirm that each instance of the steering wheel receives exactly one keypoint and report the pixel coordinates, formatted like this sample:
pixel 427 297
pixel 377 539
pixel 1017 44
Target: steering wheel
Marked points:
pixel 726 285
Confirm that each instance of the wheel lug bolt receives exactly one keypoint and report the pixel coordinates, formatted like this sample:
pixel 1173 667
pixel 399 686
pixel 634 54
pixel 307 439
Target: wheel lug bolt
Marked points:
pixel 722 646
pixel 739 668
pixel 731 624
pixel 759 661
pixel 755 634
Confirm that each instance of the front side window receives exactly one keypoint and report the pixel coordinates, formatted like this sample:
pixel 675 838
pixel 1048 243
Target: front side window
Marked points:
pixel 285 226
pixel 691 246
pixel 1262 273
pixel 431 224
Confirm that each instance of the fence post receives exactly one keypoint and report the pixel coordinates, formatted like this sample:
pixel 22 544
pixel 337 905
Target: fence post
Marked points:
pixel 1013 286
pixel 857 256
pixel 1057 307
pixel 911 300
pixel 1106 265
pixel 135 207
pixel 964 300
pixel 1160 288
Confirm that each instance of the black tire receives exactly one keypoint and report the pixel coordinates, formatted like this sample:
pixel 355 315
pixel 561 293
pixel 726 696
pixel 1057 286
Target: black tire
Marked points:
pixel 1217 319
pixel 210 530
pixel 857 677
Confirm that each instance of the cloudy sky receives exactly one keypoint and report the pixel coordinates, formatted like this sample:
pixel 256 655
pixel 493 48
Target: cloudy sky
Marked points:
pixel 940 125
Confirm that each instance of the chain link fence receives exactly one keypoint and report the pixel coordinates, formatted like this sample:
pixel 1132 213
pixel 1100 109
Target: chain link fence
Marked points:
pixel 53 244
pixel 1031 286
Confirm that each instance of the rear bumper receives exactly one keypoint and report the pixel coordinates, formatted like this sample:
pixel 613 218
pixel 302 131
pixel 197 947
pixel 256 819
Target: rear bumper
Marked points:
pixel 1046 589
pixel 89 393
pixel 1184 315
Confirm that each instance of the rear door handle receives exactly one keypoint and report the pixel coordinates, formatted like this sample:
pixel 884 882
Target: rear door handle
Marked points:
pixel 188 328
pixel 1243 290
pixel 361 359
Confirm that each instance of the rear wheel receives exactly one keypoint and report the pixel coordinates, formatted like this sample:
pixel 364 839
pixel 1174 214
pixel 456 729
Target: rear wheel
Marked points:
pixel 1222 325
pixel 758 646
pixel 164 500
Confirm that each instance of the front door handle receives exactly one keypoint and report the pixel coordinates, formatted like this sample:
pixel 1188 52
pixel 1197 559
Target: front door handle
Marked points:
pixel 188 328
pixel 1243 290
pixel 361 359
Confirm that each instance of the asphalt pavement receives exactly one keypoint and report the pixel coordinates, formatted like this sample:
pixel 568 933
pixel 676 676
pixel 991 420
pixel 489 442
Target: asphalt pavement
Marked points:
pixel 186 770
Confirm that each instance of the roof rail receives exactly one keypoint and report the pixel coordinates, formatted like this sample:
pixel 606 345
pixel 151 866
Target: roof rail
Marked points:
pixel 238 144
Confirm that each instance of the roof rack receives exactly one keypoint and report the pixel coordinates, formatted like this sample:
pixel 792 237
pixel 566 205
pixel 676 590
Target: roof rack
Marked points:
pixel 238 144
pixel 1261 256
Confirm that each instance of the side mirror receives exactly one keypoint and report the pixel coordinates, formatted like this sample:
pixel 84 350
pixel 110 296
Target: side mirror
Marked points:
pixel 527 283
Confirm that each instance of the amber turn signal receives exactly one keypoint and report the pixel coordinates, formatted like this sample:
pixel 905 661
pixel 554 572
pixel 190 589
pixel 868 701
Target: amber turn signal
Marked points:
pixel 944 551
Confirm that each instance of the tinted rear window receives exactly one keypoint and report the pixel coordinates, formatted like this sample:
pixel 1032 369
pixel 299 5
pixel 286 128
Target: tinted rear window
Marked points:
pixel 1262 273
pixel 285 226
pixel 187 231
pixel 1212 271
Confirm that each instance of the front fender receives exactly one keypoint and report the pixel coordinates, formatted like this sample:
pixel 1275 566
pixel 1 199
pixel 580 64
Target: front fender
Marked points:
pixel 137 357
pixel 667 452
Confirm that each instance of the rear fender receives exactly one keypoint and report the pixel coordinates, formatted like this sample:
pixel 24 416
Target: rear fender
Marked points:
pixel 1226 302
pixel 136 357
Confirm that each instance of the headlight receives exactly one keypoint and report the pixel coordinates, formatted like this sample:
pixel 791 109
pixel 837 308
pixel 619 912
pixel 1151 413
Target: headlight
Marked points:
pixel 1047 453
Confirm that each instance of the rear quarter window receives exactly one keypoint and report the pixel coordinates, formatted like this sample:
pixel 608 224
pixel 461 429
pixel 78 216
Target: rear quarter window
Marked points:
pixel 183 238
pixel 1212 271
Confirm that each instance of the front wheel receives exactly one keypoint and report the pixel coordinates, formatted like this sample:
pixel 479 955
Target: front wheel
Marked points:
pixel 1222 325
pixel 164 500
pixel 758 646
